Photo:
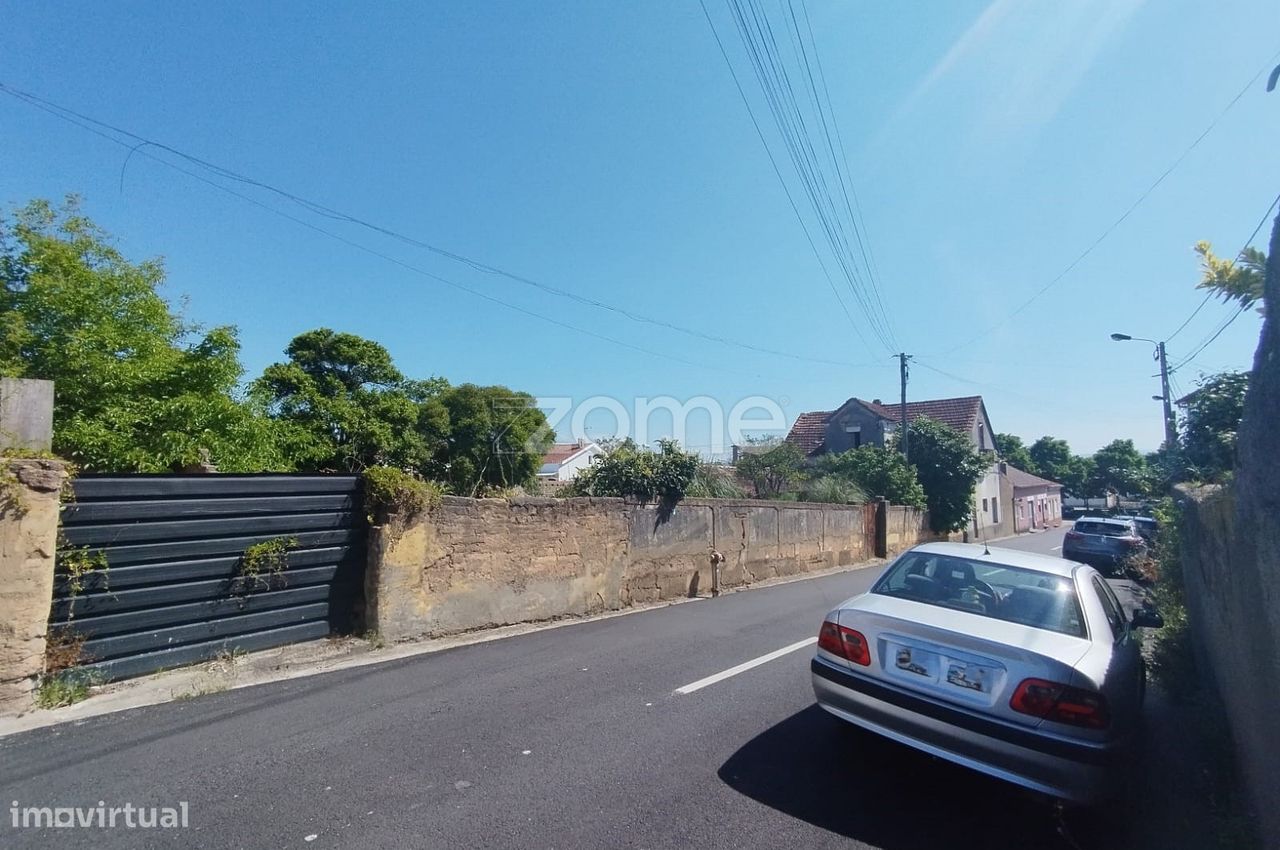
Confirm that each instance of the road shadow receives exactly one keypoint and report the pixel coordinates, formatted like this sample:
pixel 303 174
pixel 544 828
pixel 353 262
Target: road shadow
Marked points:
pixel 835 776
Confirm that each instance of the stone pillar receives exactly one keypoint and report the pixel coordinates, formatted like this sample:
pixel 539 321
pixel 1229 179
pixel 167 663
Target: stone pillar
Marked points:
pixel 29 505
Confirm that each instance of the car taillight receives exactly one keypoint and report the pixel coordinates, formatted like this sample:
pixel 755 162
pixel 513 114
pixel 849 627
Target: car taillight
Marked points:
pixel 846 643
pixel 1132 542
pixel 1073 535
pixel 1061 704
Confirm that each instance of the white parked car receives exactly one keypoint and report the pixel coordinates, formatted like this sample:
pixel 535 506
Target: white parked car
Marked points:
pixel 1022 666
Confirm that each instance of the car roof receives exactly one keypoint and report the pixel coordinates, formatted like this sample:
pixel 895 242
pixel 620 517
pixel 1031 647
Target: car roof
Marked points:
pixel 1121 520
pixel 1004 557
pixel 1136 518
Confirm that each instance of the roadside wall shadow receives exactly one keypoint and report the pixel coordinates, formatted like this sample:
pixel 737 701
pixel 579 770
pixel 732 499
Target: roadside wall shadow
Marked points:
pixel 821 770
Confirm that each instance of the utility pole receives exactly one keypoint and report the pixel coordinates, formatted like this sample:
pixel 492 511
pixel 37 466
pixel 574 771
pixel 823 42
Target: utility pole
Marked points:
pixel 902 369
pixel 1170 424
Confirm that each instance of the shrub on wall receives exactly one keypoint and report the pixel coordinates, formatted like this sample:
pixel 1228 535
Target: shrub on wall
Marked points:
pixel 948 468
pixel 633 471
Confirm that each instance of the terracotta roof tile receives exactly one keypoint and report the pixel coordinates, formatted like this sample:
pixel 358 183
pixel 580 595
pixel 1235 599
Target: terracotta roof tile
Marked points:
pixel 560 452
pixel 809 430
pixel 959 413
pixel 1021 478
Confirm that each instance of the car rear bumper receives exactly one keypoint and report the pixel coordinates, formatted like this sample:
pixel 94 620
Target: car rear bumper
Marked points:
pixel 1075 771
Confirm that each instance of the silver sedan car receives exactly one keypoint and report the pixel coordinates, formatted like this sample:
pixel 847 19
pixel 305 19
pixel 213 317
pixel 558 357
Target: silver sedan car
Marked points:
pixel 1021 666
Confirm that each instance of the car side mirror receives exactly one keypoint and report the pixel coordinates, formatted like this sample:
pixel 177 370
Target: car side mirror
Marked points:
pixel 1147 618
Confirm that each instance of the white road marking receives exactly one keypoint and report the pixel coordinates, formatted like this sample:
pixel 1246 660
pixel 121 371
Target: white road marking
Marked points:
pixel 745 666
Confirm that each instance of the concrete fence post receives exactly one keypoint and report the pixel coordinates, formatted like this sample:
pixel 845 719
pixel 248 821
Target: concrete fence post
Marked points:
pixel 29 505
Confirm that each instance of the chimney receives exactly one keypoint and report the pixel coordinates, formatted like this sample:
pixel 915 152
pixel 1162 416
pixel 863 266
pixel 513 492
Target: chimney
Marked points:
pixel 582 442
pixel 876 401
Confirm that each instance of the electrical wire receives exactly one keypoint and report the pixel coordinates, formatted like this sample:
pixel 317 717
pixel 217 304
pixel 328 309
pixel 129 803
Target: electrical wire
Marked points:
pixel 1123 216
pixel 760 43
pixel 142 143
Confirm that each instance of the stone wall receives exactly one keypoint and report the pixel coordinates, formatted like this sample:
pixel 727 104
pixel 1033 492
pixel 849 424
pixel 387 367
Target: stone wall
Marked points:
pixel 1231 568
pixel 478 563
pixel 29 505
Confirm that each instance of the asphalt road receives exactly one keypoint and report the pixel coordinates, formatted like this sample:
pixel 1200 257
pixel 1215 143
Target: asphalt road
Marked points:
pixel 568 738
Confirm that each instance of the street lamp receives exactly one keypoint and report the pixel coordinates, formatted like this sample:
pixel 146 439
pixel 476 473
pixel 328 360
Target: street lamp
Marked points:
pixel 1170 426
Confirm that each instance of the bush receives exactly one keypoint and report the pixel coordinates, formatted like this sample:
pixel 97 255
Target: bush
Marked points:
pixel 774 472
pixel 712 482
pixel 833 489
pixel 877 471
pixel 632 471
pixel 388 490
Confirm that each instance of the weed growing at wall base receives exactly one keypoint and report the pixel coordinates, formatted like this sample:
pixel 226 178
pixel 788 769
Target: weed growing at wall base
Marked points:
pixel 65 687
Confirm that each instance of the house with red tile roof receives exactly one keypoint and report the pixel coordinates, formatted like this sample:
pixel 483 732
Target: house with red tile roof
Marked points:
pixel 563 461
pixel 858 422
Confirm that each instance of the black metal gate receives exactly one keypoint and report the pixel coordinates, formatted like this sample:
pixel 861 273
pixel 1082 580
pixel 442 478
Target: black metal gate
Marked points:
pixel 152 569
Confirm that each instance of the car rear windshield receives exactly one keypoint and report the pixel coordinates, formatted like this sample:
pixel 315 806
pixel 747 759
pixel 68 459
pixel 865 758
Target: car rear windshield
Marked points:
pixel 1109 529
pixel 1017 595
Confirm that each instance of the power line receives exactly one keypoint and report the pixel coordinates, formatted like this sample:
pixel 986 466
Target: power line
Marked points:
pixel 1125 215
pixel 70 115
pixel 760 42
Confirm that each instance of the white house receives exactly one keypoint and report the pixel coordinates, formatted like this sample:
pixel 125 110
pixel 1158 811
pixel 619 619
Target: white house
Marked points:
pixel 565 460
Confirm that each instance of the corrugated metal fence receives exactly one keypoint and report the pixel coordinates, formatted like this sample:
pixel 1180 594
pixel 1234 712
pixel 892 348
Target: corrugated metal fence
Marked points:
pixel 177 587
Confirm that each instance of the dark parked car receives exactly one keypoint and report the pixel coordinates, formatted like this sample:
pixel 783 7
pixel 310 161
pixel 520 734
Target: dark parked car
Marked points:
pixel 1106 542
pixel 1147 526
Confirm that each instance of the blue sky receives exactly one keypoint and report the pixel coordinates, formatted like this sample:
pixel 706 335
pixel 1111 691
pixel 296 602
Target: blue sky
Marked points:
pixel 602 148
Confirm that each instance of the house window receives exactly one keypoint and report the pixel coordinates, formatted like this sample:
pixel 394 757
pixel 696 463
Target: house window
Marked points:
pixel 995 511
pixel 982 436
pixel 984 506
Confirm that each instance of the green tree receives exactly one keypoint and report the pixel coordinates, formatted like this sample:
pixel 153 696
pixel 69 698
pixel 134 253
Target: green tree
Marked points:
pixel 341 404
pixel 1076 478
pixel 1240 279
pixel 773 472
pixel 137 388
pixel 1120 467
pixel 1011 450
pixel 1051 458
pixel 949 468
pixel 877 471
pixel 629 470
pixel 1209 429
pixel 496 439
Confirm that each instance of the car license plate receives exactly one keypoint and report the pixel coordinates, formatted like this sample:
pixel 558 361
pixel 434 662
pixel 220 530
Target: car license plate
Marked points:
pixel 969 676
pixel 906 661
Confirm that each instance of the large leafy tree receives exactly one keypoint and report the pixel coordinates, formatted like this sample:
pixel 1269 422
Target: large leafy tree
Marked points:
pixel 1120 467
pixel 1209 429
pixel 343 405
pixel 1012 450
pixel 1051 458
pixel 949 467
pixel 497 438
pixel 137 387
pixel 877 471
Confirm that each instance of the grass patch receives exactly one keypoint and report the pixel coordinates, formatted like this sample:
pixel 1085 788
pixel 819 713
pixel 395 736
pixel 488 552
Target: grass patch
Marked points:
pixel 65 687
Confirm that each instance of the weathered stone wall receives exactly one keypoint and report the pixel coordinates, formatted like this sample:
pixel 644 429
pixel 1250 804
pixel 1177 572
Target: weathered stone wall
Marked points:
pixel 1231 567
pixel 476 563
pixel 29 505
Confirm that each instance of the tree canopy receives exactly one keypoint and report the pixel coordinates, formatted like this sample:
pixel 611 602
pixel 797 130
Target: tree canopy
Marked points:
pixel 773 472
pixel 1012 450
pixel 634 471
pixel 138 388
pixel 1120 467
pixel 1214 411
pixel 948 468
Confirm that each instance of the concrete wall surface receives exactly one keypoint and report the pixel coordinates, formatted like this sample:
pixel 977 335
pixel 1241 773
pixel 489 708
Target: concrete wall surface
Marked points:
pixel 29 506
pixel 1231 568
pixel 477 563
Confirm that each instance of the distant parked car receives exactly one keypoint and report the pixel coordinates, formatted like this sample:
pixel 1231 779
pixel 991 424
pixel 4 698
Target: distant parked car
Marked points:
pixel 1107 542
pixel 1147 526
pixel 1021 666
